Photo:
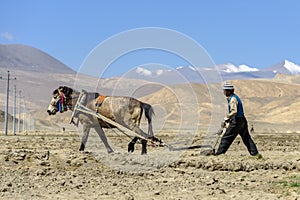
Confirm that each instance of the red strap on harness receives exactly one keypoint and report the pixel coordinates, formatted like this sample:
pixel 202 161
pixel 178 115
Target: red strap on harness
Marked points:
pixel 100 100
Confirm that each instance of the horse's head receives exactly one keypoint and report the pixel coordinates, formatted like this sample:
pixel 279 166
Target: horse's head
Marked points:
pixel 61 100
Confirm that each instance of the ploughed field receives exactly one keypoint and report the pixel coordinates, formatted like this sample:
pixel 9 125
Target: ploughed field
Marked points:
pixel 48 165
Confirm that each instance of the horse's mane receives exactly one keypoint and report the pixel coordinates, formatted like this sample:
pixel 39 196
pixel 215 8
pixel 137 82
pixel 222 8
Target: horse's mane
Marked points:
pixel 69 91
pixel 66 90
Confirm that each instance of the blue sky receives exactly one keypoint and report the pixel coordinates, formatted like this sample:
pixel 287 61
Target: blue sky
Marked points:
pixel 255 33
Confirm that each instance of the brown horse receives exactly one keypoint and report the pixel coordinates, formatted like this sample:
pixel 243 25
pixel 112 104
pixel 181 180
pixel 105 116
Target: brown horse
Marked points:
pixel 126 111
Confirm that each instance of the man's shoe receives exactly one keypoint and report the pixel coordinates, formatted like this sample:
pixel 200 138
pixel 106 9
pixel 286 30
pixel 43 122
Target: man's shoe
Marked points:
pixel 258 156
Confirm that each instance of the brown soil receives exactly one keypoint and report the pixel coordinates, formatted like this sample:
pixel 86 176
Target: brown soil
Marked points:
pixel 47 165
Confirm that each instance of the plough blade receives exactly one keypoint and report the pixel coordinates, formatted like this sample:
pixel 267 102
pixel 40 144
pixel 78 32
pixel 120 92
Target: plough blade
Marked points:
pixel 188 147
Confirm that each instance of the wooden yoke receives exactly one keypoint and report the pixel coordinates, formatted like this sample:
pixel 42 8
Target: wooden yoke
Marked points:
pixel 75 112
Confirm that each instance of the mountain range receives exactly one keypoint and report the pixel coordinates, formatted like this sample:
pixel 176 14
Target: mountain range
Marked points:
pixel 22 57
pixel 228 71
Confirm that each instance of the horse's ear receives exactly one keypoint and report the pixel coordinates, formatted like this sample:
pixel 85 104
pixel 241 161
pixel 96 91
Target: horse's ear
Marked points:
pixel 61 88
pixel 55 92
pixel 66 90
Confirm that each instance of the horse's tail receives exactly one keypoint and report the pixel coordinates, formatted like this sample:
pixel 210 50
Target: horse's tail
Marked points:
pixel 149 112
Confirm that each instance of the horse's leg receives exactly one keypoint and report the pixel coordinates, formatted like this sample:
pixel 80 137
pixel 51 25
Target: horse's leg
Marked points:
pixel 132 126
pixel 144 142
pixel 144 147
pixel 86 131
pixel 102 136
pixel 131 144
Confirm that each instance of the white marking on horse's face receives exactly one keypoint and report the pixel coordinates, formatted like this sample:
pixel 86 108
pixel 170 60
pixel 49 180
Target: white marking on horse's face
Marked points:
pixel 53 108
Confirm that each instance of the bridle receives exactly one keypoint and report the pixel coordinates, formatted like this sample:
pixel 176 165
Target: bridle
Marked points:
pixel 64 102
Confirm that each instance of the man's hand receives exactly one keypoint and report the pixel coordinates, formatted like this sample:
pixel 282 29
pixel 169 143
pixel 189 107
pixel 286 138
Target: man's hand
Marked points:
pixel 226 120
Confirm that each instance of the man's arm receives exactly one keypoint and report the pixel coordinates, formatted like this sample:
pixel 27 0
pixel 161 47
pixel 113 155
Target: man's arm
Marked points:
pixel 233 108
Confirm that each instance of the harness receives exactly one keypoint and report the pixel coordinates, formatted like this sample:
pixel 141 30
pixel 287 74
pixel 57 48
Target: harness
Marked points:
pixel 100 100
pixel 61 104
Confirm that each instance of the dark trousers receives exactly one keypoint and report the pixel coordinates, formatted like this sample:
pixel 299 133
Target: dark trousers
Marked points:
pixel 237 126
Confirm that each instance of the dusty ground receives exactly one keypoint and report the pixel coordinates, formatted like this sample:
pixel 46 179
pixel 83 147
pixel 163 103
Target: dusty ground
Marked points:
pixel 46 165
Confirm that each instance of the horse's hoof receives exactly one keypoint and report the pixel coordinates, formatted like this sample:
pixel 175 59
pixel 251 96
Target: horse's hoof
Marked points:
pixel 144 152
pixel 110 151
pixel 82 147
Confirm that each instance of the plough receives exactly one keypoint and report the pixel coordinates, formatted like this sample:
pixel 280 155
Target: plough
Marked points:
pixel 79 107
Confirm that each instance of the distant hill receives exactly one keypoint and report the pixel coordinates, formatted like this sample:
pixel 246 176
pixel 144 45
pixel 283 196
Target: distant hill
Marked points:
pixel 269 104
pixel 287 78
pixel 2 116
pixel 21 57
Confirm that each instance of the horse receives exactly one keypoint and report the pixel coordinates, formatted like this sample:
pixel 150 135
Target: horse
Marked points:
pixel 126 111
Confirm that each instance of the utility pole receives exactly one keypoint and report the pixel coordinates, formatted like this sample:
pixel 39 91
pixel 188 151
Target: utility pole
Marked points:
pixel 33 122
pixel 29 122
pixel 19 111
pixel 24 114
pixel 14 110
pixel 6 105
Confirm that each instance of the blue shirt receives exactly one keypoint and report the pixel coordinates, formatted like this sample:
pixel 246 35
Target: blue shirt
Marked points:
pixel 240 110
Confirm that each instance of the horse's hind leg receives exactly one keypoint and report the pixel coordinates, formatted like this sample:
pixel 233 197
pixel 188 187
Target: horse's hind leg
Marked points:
pixel 132 124
pixel 144 147
pixel 86 131
pixel 131 144
pixel 102 136
pixel 143 141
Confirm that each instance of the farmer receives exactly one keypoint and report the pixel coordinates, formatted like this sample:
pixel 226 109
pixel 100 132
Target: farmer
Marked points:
pixel 237 123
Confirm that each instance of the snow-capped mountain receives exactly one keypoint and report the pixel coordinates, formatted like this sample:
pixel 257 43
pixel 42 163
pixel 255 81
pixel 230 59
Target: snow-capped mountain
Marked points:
pixel 292 67
pixel 146 72
pixel 227 71
pixel 285 67
pixel 184 68
pixel 163 75
pixel 230 68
